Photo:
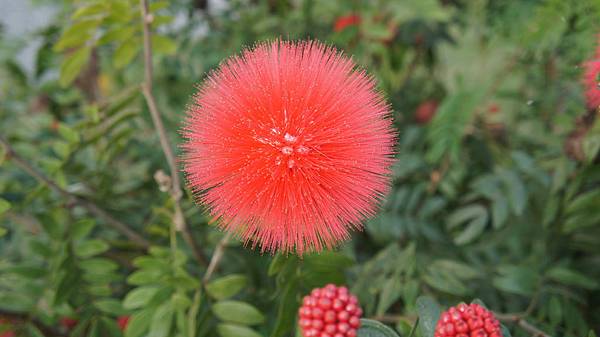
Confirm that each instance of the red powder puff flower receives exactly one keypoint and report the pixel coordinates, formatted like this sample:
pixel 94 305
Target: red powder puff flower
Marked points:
pixel 289 146
pixel 591 81
pixel 346 21
pixel 123 321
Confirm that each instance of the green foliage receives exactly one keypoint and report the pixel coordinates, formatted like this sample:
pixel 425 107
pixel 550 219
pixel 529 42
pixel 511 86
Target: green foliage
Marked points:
pixel 371 328
pixel 495 198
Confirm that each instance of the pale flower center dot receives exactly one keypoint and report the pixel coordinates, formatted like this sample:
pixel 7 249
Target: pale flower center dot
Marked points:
pixel 302 149
pixel 289 138
pixel 290 150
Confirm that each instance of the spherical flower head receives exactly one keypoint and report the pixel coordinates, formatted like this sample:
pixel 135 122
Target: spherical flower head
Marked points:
pixel 289 146
pixel 329 312
pixel 468 320
pixel 591 82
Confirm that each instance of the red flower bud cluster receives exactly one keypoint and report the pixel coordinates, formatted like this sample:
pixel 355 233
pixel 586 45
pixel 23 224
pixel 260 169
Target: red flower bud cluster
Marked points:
pixel 330 312
pixel 468 320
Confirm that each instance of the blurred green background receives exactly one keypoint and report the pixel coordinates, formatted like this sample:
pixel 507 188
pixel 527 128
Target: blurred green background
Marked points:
pixel 496 184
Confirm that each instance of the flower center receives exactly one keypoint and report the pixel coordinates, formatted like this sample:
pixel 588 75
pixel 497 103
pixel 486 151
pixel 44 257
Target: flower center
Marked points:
pixel 291 150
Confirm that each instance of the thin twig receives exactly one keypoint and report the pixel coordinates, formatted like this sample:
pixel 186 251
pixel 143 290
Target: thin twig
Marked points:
pixel 216 257
pixel 48 331
pixel 175 190
pixel 520 321
pixel 90 206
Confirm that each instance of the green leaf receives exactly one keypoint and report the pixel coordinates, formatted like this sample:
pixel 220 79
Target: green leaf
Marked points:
pixel 3 231
pixel 162 321
pixel 139 297
pixel 68 133
pixel 390 293
pixel 32 331
pixel 477 217
pixel 145 276
pixel 110 306
pixel 371 328
pixel 449 124
pixel 277 264
pixel 98 265
pixel 429 313
pixel 288 304
pixel 4 206
pixel 82 228
pixel 72 65
pixel 554 310
pixel 118 34
pixel 93 329
pixel 589 200
pixel 62 149
pixel 125 54
pixel 91 248
pixel 232 330
pixel 90 10
pixel 180 301
pixel 110 327
pixel 29 271
pixel 77 35
pixel 139 323
pixel 516 279
pixel 238 312
pixel 499 211
pixel 457 268
pixel 505 331
pixel 192 318
pixel 163 45
pixel 516 190
pixel 158 5
pixel 226 287
pixel 571 277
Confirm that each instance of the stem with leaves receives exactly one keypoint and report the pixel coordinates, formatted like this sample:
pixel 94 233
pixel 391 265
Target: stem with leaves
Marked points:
pixel 175 187
pixel 72 198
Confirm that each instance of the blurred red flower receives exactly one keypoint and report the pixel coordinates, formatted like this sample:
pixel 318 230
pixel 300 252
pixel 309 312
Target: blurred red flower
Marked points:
pixel 7 334
pixel 289 145
pixel 122 321
pixel 346 21
pixel 68 322
pixel 425 111
pixel 591 81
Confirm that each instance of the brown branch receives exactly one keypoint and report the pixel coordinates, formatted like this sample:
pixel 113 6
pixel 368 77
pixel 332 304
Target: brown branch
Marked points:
pixel 88 205
pixel 216 257
pixel 175 190
pixel 48 331
pixel 520 321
